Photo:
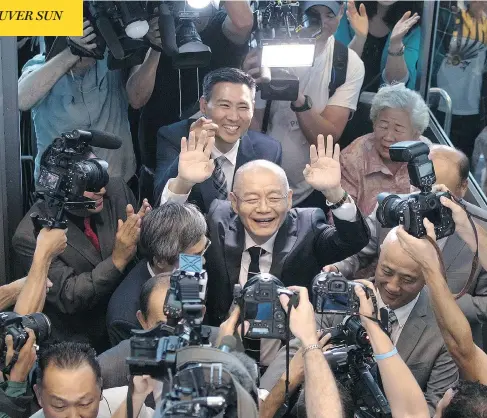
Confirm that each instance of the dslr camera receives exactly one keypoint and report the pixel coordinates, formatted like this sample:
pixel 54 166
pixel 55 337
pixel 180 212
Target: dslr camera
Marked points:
pixel 332 293
pixel 260 306
pixel 66 173
pixel 14 324
pixel 410 210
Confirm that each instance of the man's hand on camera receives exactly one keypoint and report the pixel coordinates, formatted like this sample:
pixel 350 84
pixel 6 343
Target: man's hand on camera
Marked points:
pixel 86 41
pixel 51 242
pixel 252 66
pixel 143 386
pixel 204 124
pixel 366 305
pixel 27 357
pixel 195 162
pixel 154 35
pixel 302 319
pixel 330 268
pixel 463 226
pixel 420 250
pixel 126 241
pixel 229 326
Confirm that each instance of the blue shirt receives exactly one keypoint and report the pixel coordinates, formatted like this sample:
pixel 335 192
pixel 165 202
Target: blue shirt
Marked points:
pixel 95 100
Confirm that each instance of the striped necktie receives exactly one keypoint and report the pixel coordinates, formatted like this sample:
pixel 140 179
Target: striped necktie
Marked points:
pixel 219 180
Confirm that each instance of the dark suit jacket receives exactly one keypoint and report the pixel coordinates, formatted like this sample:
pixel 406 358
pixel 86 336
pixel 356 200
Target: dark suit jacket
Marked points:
pixel 253 146
pixel 83 279
pixel 304 244
pixel 124 304
pixel 420 345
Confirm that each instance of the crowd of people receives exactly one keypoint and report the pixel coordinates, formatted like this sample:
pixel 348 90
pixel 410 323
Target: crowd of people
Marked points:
pixel 252 187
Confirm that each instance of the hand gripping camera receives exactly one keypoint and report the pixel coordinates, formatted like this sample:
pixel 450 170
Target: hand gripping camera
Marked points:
pixel 260 306
pixel 410 210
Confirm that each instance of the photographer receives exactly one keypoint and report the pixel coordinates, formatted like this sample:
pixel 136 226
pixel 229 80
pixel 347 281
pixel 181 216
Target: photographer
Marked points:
pixel 454 327
pixel 29 293
pixel 15 394
pixel 451 167
pixel 100 246
pixel 66 92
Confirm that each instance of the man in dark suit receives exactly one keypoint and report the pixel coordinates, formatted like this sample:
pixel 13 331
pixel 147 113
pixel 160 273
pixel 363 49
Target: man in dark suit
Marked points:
pixel 414 331
pixel 451 169
pixel 257 231
pixel 99 248
pixel 166 232
pixel 228 106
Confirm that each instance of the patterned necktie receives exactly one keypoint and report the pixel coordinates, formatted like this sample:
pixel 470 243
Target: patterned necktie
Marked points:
pixel 219 180
pixel 90 234
pixel 392 320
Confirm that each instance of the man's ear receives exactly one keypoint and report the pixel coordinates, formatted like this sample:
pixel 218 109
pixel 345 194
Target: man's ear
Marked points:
pixel 233 201
pixel 203 105
pixel 37 391
pixel 289 199
pixel 141 319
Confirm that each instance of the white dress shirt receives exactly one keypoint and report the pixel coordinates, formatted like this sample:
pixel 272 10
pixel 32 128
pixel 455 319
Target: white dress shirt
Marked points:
pixel 402 315
pixel 228 167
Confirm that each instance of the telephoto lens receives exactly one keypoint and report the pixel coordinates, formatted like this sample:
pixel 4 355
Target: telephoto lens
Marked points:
pixel 40 324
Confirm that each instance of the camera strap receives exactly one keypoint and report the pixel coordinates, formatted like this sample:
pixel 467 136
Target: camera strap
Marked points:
pixel 8 368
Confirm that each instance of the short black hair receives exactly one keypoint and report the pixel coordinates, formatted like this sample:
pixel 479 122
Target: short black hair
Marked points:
pixel 148 287
pixel 68 355
pixel 226 75
pixel 394 12
pixel 469 401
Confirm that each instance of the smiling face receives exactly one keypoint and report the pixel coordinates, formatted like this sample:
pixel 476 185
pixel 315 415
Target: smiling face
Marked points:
pixel 397 277
pixel 391 126
pixel 231 108
pixel 261 200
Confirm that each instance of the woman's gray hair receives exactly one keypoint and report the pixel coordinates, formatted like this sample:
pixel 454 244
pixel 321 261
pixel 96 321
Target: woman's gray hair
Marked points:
pixel 398 96
pixel 169 230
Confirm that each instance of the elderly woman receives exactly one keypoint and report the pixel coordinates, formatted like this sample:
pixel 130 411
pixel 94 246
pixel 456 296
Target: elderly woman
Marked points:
pixel 397 114
pixel 166 232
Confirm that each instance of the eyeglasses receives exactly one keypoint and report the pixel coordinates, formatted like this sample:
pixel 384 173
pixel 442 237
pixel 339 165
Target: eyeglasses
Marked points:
pixel 270 200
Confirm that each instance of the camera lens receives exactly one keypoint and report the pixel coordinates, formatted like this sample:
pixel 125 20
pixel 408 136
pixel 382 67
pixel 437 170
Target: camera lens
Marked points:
pixel 390 208
pixel 95 173
pixel 40 324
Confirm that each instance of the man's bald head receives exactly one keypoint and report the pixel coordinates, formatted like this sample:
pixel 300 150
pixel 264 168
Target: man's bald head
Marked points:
pixel 151 300
pixel 398 277
pixel 444 158
pixel 253 168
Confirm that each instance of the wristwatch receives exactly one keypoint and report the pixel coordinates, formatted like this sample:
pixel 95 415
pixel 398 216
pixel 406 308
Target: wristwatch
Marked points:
pixel 308 104
pixel 399 53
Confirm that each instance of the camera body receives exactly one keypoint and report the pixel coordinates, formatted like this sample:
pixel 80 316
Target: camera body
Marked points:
pixel 332 293
pixel 14 324
pixel 410 210
pixel 260 306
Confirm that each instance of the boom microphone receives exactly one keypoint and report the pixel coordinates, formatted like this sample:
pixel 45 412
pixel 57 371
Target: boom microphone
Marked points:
pixel 99 139
pixel 228 344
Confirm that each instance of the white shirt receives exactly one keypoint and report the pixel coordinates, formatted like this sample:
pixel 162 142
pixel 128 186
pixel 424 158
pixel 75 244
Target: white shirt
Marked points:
pixel 151 272
pixel 402 315
pixel 228 168
pixel 283 122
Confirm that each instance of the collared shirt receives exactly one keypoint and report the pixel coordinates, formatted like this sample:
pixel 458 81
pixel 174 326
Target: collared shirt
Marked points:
pixel 402 315
pixel 151 272
pixel 228 168
pixel 97 100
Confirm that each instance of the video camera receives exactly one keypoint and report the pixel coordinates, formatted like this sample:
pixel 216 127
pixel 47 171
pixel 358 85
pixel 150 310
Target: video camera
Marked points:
pixel 332 293
pixel 287 37
pixel 66 173
pixel 200 384
pixel 260 306
pixel 410 210
pixel 14 324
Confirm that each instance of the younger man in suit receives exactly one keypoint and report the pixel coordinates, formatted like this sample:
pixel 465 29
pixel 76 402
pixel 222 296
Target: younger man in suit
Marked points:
pixel 228 105
pixel 414 331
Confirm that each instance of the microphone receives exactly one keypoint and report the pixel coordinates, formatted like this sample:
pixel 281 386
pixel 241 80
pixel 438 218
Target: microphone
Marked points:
pixel 228 344
pixel 99 139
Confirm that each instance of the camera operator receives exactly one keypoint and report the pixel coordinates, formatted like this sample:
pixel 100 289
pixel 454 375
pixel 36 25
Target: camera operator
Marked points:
pixel 454 327
pixel 69 383
pixel 29 293
pixel 66 92
pixel 414 331
pixel 100 246
pixel 451 168
pixel 15 393
pixel 316 110
pixel 166 232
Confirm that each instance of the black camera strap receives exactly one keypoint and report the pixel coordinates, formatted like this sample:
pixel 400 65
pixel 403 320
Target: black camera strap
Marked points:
pixel 8 368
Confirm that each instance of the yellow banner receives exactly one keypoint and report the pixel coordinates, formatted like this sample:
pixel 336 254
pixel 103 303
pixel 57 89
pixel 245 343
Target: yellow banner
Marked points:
pixel 41 17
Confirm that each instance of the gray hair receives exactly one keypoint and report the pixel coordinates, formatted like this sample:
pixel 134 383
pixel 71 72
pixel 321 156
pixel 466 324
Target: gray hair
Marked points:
pixel 257 165
pixel 169 230
pixel 398 96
